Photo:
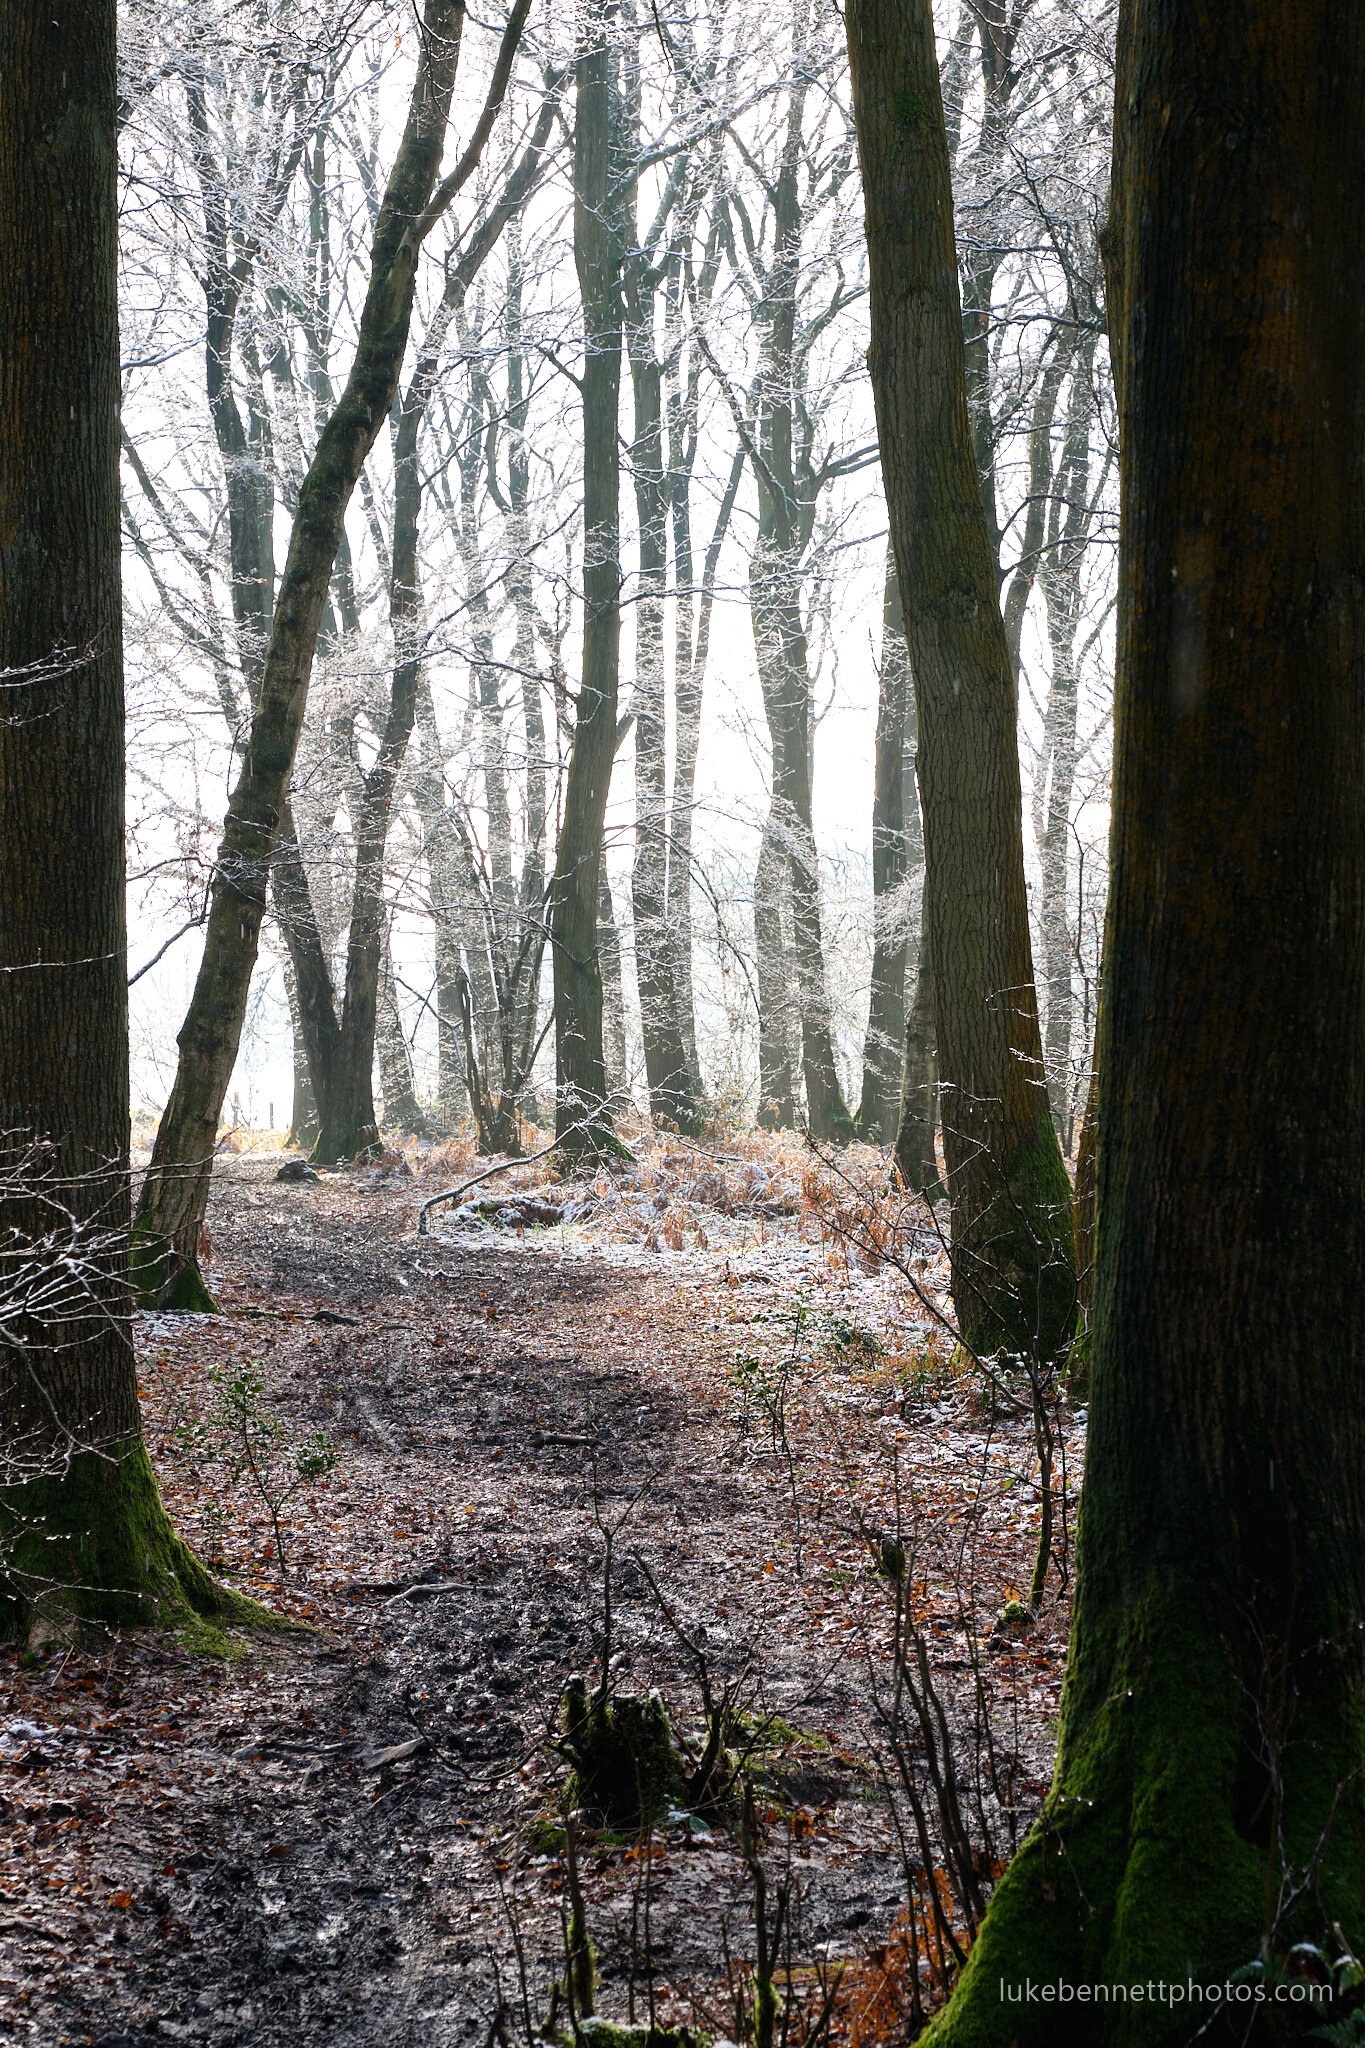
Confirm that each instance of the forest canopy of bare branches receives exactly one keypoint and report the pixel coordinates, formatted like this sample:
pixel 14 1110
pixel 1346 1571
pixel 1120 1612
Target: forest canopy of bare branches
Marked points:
pixel 252 164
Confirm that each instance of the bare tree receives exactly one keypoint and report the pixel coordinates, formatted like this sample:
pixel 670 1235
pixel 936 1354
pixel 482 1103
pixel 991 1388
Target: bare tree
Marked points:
pixel 175 1192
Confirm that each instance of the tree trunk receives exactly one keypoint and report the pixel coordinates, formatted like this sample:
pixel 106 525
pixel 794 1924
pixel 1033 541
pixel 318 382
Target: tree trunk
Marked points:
pixel 613 993
pixel 1013 1279
pixel 582 1119
pixel 882 1050
pixel 175 1191
pixel 691 647
pixel 350 1129
pixel 303 1117
pixel 1085 1199
pixel 666 1066
pixel 81 1525
pixel 313 1005
pixel 1207 1807
pixel 915 1158
pixel 772 960
pixel 786 517
pixel 1061 580
pixel 402 1111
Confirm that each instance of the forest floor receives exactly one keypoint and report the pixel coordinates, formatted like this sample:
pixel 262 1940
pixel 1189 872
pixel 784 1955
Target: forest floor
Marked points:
pixel 349 1833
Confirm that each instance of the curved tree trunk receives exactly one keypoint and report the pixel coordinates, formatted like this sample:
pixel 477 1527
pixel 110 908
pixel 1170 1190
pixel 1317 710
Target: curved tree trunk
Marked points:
pixel 81 1525
pixel 350 1127
pixel 1013 1279
pixel 175 1191
pixel 1212 1746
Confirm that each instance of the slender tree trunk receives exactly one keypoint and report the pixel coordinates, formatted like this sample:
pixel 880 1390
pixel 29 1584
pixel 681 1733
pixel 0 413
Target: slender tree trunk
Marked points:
pixel 786 515
pixel 350 1128
pixel 915 1158
pixel 175 1191
pixel 303 1117
pixel 581 1117
pixel 656 960
pixel 878 1111
pixel 452 1092
pixel 1061 581
pixel 531 944
pixel 613 991
pixel 776 1078
pixel 402 1111
pixel 81 1525
pixel 349 1125
pixel 691 649
pixel 1085 1198
pixel 314 1004
pixel 1207 1806
pixel 689 663
pixel 1013 1277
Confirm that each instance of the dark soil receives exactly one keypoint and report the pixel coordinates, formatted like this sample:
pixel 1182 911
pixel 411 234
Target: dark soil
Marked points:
pixel 347 1835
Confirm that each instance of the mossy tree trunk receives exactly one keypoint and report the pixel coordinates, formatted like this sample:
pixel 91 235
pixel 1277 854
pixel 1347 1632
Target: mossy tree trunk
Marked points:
pixel 1212 1743
pixel 81 1525
pixel 1012 1271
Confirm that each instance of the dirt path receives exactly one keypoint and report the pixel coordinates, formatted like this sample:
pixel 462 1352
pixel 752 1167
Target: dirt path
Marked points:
pixel 344 1834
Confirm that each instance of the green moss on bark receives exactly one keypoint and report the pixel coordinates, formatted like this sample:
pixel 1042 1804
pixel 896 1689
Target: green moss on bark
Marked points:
pixel 626 1769
pixel 93 1543
pixel 1152 1861
pixel 166 1281
pixel 1014 1273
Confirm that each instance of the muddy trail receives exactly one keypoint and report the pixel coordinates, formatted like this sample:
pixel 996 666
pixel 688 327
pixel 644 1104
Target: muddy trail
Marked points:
pixel 350 1831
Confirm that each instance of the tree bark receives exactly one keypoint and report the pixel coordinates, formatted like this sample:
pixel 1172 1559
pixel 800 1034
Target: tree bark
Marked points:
pixel 1068 523
pixel 666 1065
pixel 613 992
pixel 772 960
pixel 303 1116
pixel 1212 1746
pixel 82 1529
pixel 915 1158
pixel 691 647
pixel 878 1110
pixel 1013 1279
pixel 582 1119
pixel 402 1111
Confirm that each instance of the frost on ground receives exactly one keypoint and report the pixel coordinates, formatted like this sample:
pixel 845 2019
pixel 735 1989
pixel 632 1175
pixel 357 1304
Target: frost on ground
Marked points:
pixel 353 1833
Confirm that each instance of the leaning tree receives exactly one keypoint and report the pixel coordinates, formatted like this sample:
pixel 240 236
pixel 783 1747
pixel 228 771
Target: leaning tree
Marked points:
pixel 174 1195
pixel 81 1526
pixel 1208 1807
